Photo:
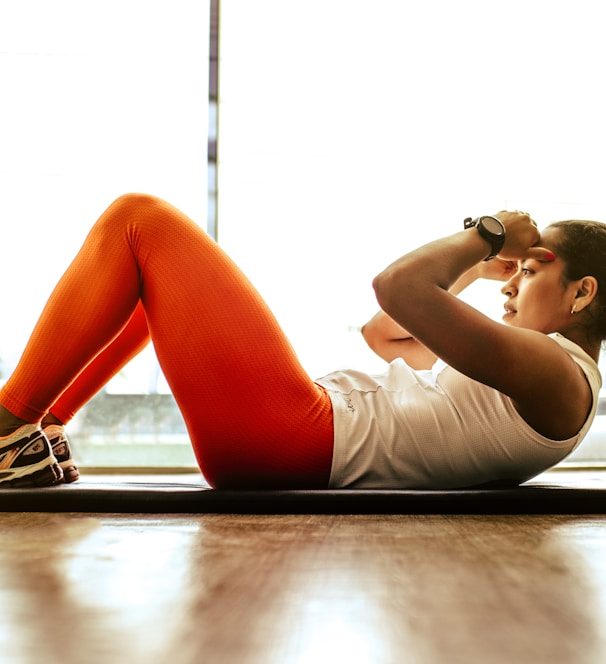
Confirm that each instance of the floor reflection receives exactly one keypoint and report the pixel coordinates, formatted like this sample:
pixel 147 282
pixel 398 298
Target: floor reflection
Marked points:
pixel 288 589
pixel 336 620
pixel 104 585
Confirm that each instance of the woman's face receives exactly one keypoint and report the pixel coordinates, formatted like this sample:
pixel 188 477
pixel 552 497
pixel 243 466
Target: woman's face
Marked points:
pixel 537 298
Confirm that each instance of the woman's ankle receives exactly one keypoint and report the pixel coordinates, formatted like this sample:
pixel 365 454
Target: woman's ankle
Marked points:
pixel 9 423
pixel 49 419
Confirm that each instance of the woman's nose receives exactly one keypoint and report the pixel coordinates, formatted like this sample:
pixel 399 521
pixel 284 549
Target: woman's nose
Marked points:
pixel 508 289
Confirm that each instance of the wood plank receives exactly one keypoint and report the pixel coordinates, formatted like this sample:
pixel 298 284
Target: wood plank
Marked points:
pixel 302 588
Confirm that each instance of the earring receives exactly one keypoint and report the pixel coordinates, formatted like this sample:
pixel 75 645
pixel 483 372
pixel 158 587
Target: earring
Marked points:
pixel 573 310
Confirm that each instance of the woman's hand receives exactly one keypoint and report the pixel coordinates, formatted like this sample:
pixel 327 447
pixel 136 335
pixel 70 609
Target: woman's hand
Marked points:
pixel 497 269
pixel 521 238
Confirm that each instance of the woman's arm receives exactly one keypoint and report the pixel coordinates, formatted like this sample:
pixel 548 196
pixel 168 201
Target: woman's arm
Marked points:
pixel 389 340
pixel 546 386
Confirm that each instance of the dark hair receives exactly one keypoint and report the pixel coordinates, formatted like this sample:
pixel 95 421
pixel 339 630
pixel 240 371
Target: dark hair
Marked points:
pixel 582 247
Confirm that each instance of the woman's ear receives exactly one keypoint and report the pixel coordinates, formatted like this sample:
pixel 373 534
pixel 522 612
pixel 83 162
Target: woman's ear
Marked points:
pixel 587 289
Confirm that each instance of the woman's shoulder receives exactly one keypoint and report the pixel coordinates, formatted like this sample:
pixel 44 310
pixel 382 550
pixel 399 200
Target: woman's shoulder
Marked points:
pixel 585 361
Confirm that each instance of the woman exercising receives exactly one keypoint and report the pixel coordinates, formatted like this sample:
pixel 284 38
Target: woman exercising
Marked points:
pixel 465 400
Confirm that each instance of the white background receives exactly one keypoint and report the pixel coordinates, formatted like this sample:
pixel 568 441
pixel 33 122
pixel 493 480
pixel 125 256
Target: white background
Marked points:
pixel 352 131
pixel 98 98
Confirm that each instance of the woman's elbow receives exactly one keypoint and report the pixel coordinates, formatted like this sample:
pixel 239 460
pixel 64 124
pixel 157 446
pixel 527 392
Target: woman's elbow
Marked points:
pixel 373 338
pixel 367 331
pixel 383 288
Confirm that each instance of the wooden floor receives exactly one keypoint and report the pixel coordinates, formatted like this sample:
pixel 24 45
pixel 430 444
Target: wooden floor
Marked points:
pixel 180 589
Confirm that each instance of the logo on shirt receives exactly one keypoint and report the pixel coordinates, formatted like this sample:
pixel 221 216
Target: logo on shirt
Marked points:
pixel 350 407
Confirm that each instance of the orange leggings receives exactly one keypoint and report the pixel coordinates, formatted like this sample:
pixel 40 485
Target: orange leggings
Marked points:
pixel 254 416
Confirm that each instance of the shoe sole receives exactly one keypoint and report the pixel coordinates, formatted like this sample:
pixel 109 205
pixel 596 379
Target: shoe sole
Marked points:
pixel 62 452
pixel 70 472
pixel 48 476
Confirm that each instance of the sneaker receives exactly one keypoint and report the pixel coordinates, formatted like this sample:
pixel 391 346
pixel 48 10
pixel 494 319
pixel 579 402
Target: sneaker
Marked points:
pixel 62 452
pixel 26 459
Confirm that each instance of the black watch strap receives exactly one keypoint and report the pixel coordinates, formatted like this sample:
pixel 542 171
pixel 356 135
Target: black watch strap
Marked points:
pixel 495 239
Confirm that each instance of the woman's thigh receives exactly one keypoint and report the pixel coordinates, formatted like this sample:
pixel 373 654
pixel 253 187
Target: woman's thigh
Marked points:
pixel 254 415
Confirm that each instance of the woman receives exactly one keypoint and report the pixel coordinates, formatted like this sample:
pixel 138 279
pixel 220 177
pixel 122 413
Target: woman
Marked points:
pixel 504 403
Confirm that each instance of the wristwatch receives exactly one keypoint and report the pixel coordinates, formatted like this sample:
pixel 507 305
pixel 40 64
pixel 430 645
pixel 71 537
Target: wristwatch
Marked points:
pixel 492 230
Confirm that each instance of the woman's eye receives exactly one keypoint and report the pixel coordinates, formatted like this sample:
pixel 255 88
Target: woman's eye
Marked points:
pixel 526 271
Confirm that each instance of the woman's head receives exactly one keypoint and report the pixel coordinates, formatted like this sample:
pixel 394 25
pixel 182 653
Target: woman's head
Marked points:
pixel 568 294
pixel 581 245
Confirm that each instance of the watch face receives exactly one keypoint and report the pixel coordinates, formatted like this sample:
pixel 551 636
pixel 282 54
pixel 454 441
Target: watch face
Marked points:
pixel 492 226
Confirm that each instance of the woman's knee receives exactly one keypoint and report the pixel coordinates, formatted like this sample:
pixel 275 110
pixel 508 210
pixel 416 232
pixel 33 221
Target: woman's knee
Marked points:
pixel 135 204
pixel 136 216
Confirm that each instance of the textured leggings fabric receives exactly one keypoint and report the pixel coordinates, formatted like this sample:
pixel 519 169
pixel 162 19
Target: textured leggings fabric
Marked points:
pixel 254 416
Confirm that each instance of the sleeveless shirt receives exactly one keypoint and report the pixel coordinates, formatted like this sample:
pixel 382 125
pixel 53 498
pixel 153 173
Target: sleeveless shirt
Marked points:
pixel 438 429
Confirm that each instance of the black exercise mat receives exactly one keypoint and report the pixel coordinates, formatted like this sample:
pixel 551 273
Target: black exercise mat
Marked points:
pixel 172 498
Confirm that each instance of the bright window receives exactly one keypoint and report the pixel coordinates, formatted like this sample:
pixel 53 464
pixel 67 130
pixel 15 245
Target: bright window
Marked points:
pixel 99 98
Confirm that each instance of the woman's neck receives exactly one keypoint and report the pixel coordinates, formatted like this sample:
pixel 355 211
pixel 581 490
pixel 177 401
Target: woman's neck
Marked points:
pixel 580 339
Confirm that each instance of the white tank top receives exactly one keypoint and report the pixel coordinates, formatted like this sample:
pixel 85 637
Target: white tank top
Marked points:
pixel 438 429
